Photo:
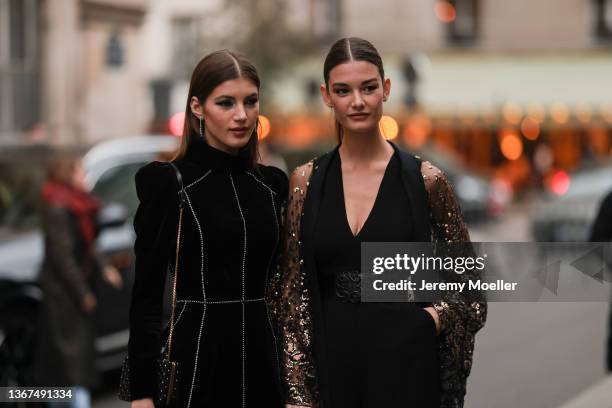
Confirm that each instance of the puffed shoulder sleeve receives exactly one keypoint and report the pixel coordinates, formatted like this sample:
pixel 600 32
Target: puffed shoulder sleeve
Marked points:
pixel 290 302
pixel 154 225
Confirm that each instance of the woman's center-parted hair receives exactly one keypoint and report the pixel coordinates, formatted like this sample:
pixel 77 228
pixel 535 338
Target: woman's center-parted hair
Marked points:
pixel 352 49
pixel 212 70
pixel 347 50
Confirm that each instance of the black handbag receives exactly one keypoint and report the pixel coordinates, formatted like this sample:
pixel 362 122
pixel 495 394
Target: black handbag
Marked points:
pixel 167 371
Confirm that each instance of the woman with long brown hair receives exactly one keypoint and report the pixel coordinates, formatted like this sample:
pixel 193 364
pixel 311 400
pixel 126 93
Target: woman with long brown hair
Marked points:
pixel 337 351
pixel 222 336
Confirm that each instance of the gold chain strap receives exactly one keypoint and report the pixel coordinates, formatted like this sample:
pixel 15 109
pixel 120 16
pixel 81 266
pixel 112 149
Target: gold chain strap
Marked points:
pixel 176 265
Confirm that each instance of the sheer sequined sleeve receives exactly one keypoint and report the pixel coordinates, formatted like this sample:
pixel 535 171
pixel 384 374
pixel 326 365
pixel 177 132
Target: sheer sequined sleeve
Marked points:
pixel 290 302
pixel 456 311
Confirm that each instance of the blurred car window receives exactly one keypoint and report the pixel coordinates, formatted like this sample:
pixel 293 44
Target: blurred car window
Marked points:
pixel 116 185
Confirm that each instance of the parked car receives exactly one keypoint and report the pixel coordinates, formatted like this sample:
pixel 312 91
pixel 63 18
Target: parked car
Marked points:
pixel 568 218
pixel 110 168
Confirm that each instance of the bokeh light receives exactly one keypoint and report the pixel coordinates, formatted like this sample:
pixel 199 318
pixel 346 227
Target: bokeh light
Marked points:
pixel 511 144
pixel 537 111
pixel 560 182
pixel 417 130
pixel 445 11
pixel 560 113
pixel 263 130
pixel 388 127
pixel 530 128
pixel 512 113
pixel 176 124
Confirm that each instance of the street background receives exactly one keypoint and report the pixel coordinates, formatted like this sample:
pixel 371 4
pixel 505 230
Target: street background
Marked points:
pixel 513 100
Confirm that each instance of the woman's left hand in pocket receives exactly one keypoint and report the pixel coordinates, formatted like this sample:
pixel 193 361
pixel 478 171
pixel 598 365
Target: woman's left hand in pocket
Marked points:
pixel 434 314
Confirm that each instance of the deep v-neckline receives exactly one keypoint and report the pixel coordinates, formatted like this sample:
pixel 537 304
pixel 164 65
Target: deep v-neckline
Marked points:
pixel 376 198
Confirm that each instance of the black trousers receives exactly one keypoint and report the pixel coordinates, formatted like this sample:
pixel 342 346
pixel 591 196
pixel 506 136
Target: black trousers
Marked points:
pixel 381 355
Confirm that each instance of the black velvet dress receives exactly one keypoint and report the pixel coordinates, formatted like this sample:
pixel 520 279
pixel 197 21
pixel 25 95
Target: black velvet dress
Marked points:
pixel 379 354
pixel 223 337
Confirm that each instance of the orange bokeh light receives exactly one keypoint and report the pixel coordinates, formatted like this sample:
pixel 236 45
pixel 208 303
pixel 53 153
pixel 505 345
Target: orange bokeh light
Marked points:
pixel 511 145
pixel 445 11
pixel 530 128
pixel 388 127
pixel 263 130
pixel 512 113
pixel 417 130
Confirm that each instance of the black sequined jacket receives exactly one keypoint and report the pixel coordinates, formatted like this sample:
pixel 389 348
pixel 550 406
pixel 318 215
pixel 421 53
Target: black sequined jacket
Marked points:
pixel 295 298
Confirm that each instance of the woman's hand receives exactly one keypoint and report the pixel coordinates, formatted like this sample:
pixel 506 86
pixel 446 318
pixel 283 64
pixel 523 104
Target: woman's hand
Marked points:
pixel 434 314
pixel 143 403
pixel 112 276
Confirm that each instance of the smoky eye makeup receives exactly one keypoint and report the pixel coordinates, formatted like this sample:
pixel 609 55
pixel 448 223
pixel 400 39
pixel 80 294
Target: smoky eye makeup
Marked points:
pixel 370 88
pixel 340 90
pixel 251 100
pixel 225 102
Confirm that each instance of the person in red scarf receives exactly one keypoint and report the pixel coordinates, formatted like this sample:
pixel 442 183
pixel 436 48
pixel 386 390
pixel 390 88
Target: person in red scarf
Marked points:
pixel 65 355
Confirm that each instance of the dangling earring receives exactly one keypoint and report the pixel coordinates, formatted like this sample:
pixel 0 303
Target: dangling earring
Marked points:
pixel 201 133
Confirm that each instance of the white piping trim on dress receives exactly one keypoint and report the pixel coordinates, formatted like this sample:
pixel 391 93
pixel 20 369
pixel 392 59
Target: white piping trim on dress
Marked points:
pixel 197 180
pixel 272 331
pixel 220 302
pixel 195 365
pixel 243 292
pixel 266 186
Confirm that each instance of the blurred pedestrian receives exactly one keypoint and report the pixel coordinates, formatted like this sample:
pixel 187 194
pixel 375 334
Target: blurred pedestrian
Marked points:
pixel 601 231
pixel 65 352
pixel 222 338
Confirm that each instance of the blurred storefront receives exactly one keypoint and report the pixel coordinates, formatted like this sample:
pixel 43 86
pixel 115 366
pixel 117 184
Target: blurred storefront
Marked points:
pixel 67 66
pixel 20 49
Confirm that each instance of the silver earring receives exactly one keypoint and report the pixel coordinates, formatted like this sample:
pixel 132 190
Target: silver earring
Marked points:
pixel 201 133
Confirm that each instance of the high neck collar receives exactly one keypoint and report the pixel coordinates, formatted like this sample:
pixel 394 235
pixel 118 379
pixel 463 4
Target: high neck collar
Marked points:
pixel 203 154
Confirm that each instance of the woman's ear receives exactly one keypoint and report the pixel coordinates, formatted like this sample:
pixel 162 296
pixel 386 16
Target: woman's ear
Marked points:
pixel 196 108
pixel 386 89
pixel 325 95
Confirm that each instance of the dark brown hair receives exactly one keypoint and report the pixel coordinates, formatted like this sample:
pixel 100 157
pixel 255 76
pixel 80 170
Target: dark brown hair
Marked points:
pixel 346 50
pixel 212 71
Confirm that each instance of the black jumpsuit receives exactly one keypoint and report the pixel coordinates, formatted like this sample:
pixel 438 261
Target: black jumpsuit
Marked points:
pixel 379 354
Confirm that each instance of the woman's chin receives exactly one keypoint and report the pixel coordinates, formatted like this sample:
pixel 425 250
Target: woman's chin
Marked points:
pixel 362 128
pixel 236 144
